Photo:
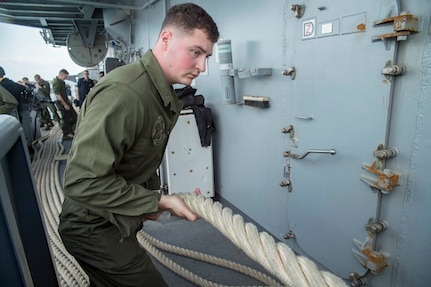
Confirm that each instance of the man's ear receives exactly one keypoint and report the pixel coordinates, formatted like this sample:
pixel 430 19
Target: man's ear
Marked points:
pixel 165 37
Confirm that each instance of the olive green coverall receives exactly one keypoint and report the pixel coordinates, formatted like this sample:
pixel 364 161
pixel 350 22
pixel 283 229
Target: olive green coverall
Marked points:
pixel 44 94
pixel 7 101
pixel 110 180
pixel 68 117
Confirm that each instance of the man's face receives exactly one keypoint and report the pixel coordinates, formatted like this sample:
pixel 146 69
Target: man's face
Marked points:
pixel 63 76
pixel 186 56
pixel 86 75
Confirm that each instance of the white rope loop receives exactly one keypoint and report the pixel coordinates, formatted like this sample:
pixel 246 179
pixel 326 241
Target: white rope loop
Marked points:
pixel 147 240
pixel 45 170
pixel 277 259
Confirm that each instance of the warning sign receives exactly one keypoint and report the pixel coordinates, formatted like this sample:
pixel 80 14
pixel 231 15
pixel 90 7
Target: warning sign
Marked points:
pixel 308 29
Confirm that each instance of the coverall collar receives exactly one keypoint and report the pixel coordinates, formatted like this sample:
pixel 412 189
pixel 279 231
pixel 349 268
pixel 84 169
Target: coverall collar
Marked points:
pixel 165 90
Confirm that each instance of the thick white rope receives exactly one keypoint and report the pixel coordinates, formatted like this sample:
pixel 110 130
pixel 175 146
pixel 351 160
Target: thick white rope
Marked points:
pixel 276 258
pixel 150 243
pixel 45 170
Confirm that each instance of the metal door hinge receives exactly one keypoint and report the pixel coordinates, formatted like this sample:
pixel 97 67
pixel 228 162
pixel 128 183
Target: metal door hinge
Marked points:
pixel 404 25
pixel 371 259
pixel 387 179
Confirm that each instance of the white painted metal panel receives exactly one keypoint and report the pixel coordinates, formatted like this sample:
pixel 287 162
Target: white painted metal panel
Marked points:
pixel 187 164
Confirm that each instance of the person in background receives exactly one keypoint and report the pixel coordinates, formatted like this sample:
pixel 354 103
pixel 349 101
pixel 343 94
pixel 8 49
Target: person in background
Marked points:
pixel 19 92
pixel 101 75
pixel 68 114
pixel 26 82
pixel 83 86
pixel 110 182
pixel 7 101
pixel 44 95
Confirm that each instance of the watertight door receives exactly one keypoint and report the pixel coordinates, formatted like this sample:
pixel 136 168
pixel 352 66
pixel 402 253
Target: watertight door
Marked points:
pixel 339 99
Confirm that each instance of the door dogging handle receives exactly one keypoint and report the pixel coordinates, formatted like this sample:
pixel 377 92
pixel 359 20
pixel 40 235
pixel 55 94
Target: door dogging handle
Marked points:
pixel 297 156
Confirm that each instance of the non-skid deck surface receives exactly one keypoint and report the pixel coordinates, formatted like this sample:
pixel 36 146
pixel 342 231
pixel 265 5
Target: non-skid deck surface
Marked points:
pixel 202 237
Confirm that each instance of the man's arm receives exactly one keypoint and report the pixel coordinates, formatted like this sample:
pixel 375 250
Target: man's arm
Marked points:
pixel 7 101
pixel 57 91
pixel 91 176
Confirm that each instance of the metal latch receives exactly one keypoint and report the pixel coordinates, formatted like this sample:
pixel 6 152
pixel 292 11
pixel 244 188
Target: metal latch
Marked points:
pixel 371 259
pixel 404 25
pixel 393 70
pixel 291 71
pixel 289 130
pixel 387 179
pixel 298 9
pixel 286 182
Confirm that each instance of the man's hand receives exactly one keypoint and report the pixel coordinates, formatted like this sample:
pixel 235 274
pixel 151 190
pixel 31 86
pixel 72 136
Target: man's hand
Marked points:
pixel 177 207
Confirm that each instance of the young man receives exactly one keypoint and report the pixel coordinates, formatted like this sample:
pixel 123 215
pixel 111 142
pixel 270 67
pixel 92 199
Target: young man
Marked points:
pixel 84 85
pixel 110 181
pixel 44 96
pixel 68 114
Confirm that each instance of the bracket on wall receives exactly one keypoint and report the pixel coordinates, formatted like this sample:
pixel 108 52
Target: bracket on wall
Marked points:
pixel 253 72
pixel 291 71
pixel 298 9
pixel 404 25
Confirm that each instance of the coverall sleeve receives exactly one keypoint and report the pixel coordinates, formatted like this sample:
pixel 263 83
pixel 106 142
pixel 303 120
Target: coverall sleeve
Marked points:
pixel 109 126
pixel 7 101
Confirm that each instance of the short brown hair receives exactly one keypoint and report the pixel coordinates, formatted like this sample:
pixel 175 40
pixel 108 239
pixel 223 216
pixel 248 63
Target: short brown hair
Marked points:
pixel 188 17
pixel 63 71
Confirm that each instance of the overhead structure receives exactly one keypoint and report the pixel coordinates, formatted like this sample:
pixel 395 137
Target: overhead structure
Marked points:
pixel 79 24
pixel 85 47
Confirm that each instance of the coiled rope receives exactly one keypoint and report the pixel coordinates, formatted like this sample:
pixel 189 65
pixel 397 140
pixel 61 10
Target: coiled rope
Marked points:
pixel 277 258
pixel 45 170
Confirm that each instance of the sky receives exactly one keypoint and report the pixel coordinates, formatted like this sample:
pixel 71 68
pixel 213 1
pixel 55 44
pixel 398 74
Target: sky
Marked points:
pixel 23 53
